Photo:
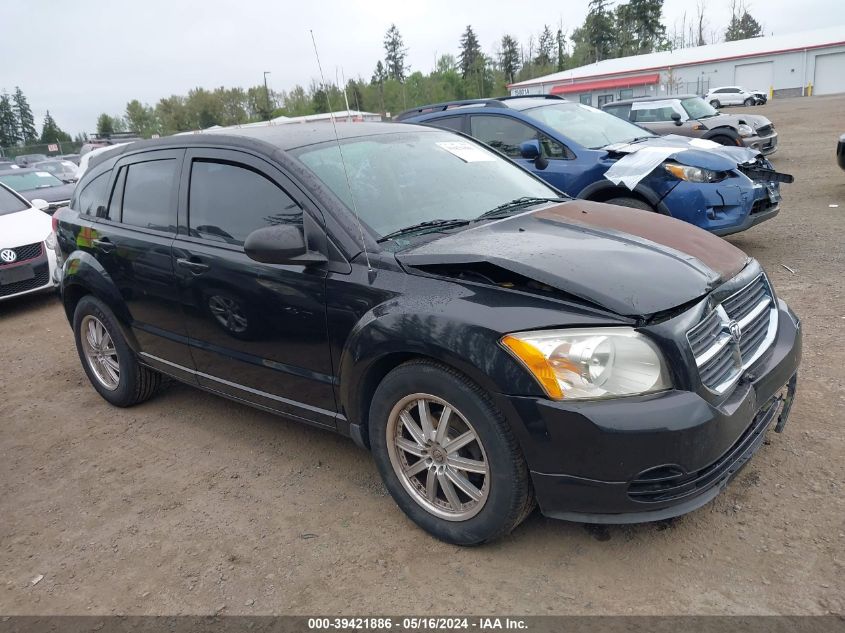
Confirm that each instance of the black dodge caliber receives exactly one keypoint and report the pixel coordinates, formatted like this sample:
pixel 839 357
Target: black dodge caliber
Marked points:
pixel 490 341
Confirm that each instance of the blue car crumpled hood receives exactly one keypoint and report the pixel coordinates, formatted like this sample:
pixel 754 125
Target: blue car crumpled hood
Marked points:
pixel 641 158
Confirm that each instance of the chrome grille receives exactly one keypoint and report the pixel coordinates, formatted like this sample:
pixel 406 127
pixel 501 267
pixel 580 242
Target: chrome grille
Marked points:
pixel 731 337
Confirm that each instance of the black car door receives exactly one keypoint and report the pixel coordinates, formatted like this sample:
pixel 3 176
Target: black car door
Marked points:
pixel 257 331
pixel 131 238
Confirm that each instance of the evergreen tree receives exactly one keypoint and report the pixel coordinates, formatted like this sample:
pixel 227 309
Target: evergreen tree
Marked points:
pixel 649 32
pixel 51 132
pixel 595 40
pixel 562 57
pixel 545 48
pixel 509 58
pixel 742 25
pixel 8 123
pixel 394 54
pixel 379 75
pixel 470 53
pixel 26 122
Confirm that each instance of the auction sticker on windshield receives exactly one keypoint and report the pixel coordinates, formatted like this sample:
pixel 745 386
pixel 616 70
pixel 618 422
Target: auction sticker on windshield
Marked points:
pixel 467 152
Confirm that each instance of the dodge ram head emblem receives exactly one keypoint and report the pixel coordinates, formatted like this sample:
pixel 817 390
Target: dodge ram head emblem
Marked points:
pixel 7 255
pixel 736 331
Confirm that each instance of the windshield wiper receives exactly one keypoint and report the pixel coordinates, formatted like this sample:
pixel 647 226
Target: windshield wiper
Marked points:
pixel 421 226
pixel 639 139
pixel 515 205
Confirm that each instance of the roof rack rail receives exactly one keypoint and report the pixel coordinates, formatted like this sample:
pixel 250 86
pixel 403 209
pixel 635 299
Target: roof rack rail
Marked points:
pixel 488 102
pixel 557 97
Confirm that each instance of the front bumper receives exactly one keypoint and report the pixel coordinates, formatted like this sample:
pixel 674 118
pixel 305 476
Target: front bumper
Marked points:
pixel 649 458
pixel 39 274
pixel 764 144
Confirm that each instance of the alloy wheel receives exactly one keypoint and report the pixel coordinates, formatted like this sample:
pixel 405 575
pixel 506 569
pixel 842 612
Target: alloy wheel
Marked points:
pixel 228 313
pixel 438 457
pixel 100 352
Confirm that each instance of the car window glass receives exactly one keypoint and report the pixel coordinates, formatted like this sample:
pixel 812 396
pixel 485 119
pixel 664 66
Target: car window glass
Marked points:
pixel 10 203
pixel 621 111
pixel 30 180
pixel 148 195
pixel 503 134
pixel 93 195
pixel 455 123
pixel 228 202
pixel 113 212
pixel 553 149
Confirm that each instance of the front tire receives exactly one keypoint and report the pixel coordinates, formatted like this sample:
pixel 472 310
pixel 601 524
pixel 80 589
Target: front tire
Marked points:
pixel 715 103
pixel 721 139
pixel 633 203
pixel 447 455
pixel 106 357
pixel 749 102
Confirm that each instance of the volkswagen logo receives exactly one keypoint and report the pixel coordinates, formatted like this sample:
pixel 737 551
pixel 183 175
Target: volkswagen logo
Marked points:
pixel 736 331
pixel 7 255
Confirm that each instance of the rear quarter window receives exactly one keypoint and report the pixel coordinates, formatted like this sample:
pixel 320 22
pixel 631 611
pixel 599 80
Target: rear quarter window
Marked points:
pixel 93 195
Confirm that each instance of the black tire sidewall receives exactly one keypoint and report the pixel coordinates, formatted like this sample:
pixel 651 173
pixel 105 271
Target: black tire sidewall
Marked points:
pixel 631 203
pixel 507 498
pixel 715 103
pixel 124 395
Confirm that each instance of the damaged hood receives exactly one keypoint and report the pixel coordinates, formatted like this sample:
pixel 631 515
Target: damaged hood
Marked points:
pixel 638 160
pixel 631 262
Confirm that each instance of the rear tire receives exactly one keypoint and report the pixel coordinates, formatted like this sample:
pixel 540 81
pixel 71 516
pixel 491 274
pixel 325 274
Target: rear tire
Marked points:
pixel 106 357
pixel 715 103
pixel 465 495
pixel 633 203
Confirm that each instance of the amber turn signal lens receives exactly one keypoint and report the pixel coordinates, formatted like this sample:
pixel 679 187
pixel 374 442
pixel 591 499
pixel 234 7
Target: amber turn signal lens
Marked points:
pixel 536 363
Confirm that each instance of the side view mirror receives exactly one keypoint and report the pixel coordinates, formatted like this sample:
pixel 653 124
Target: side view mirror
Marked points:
pixel 676 118
pixel 280 244
pixel 531 150
pixel 40 204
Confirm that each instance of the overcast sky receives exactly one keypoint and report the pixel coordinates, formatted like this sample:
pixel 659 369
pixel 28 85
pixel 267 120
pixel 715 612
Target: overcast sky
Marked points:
pixel 80 58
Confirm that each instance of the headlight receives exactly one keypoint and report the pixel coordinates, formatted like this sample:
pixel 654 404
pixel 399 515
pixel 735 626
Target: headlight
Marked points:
pixel 694 174
pixel 51 241
pixel 590 363
pixel 745 130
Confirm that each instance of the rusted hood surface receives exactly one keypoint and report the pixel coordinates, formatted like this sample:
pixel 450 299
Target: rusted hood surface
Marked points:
pixel 629 261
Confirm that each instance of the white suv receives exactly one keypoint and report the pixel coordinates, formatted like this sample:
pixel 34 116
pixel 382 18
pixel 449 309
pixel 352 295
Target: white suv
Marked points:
pixel 28 259
pixel 730 95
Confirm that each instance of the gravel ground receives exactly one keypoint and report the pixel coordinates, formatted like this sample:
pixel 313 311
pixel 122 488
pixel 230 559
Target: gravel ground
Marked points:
pixel 193 504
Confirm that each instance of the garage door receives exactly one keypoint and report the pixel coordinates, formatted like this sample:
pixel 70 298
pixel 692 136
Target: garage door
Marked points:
pixel 830 74
pixel 756 76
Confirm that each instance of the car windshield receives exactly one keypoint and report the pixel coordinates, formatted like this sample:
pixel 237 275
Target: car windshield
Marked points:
pixel 30 180
pixel 10 203
pixel 587 126
pixel 698 108
pixel 399 180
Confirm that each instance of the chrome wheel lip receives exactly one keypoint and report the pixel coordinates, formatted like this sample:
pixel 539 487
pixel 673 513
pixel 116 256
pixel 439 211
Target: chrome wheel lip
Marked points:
pixel 100 352
pixel 444 472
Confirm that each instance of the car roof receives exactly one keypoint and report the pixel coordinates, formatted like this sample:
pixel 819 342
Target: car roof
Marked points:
pixel 21 170
pixel 657 98
pixel 285 136
pixel 515 102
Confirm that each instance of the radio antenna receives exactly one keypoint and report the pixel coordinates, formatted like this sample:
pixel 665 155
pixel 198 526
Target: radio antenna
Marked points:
pixel 340 149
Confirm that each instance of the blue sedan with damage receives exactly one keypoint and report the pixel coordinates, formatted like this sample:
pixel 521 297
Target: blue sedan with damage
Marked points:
pixel 593 155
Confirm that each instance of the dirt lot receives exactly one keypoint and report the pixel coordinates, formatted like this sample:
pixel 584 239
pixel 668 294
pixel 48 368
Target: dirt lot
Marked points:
pixel 193 504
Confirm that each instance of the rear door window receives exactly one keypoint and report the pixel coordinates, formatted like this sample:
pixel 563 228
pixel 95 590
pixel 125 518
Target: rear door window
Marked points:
pixel 148 195
pixel 455 123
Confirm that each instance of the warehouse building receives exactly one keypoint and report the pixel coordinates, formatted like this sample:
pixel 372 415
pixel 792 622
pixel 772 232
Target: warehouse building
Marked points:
pixel 794 65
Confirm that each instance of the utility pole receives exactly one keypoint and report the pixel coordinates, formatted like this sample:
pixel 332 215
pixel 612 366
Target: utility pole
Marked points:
pixel 267 95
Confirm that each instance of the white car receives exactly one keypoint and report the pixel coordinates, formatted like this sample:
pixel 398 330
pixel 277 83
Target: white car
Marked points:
pixel 28 250
pixel 730 95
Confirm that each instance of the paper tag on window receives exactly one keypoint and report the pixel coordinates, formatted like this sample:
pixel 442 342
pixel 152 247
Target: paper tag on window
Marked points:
pixel 467 152
pixel 42 174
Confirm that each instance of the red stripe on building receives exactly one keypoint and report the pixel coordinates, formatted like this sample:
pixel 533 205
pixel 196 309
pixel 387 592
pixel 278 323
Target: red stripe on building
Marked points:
pixel 620 82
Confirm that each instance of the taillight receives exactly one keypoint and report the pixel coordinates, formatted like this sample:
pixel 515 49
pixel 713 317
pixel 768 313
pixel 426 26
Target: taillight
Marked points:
pixel 55 222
